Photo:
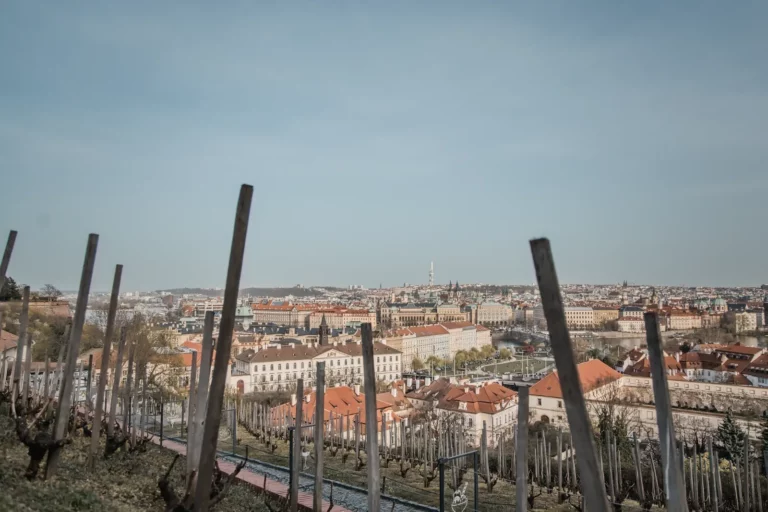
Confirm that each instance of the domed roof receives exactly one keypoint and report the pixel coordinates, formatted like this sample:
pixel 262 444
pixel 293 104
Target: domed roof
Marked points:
pixel 720 302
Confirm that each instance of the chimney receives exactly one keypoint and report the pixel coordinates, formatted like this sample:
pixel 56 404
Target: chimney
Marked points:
pixel 394 391
pixel 409 382
pixel 427 381
pixel 418 383
pixel 293 400
pixel 357 389
pixel 306 399
pixel 292 345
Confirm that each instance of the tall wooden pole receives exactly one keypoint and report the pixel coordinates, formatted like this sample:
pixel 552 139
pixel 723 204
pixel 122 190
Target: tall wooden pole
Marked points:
pixel 65 397
pixel 223 351
pixel 191 413
pixel 371 441
pixel 522 449
pixel 202 390
pixel 296 462
pixel 23 320
pixel 116 378
pixel 106 354
pixel 317 499
pixel 27 370
pixel 673 478
pixel 7 256
pixel 592 484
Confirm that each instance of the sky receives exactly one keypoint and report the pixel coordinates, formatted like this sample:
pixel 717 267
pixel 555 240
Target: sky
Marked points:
pixel 381 136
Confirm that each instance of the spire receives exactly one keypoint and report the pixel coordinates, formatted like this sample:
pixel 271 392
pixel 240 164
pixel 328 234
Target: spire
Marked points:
pixel 323 332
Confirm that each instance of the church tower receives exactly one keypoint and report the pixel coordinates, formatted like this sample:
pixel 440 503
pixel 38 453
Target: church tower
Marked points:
pixel 323 332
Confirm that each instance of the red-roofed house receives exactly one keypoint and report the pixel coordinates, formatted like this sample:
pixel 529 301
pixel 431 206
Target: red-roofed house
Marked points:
pixel 547 403
pixel 488 402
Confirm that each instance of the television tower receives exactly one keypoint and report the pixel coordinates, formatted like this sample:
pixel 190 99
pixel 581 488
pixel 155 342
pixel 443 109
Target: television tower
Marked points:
pixel 431 273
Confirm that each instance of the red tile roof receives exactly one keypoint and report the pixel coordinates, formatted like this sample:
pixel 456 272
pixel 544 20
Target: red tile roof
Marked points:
pixel 7 340
pixel 592 374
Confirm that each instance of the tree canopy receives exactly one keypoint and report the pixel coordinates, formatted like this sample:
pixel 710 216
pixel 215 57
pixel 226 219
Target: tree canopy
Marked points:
pixel 731 437
pixel 10 290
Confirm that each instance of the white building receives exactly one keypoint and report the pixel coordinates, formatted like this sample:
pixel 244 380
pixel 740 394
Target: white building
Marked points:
pixel 277 367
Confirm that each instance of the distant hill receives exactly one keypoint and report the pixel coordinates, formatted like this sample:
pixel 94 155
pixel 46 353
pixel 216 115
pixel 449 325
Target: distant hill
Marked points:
pixel 258 292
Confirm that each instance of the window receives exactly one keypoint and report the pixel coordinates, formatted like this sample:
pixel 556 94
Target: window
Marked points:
pixel 264 367
pixel 559 404
pixel 539 401
pixel 280 367
pixel 271 367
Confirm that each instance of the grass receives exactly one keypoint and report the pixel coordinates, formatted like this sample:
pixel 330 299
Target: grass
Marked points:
pixel 518 366
pixel 125 482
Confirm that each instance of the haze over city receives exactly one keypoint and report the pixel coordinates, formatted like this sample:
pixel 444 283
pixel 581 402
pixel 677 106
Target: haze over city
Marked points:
pixel 379 138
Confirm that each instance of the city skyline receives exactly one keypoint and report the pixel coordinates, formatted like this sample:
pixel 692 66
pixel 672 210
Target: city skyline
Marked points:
pixel 379 138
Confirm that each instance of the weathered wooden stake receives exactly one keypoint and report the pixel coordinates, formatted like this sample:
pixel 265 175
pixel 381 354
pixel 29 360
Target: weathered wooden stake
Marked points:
pixel 202 390
pixel 296 462
pixel 593 487
pixel 522 449
pixel 7 256
pixel 23 320
pixel 106 354
pixel 673 479
pixel 223 351
pixel 371 442
pixel 62 411
pixel 115 391
pixel 317 499
pixel 27 371
pixel 191 413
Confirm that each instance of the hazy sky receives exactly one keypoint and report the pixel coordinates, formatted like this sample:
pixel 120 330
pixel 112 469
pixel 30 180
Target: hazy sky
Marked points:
pixel 380 136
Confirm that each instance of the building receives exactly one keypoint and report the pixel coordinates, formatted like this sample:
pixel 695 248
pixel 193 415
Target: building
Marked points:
pixel 493 314
pixel 631 324
pixel 438 340
pixel 339 317
pixel 281 313
pixel 277 367
pixel 427 341
pixel 577 318
pixel 546 396
pixel 487 403
pixel 746 321
pixel 631 312
pixel 683 320
pixel 605 315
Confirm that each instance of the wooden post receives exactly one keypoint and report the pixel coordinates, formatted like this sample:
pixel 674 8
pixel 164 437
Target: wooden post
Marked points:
pixel 317 499
pixel 191 413
pixel 593 487
pixel 7 256
pixel 296 462
pixel 202 390
pixel 62 411
pixel 27 370
pixel 560 459
pixel 745 486
pixel 106 355
pixel 223 351
pixel 673 478
pixel 60 362
pixel 522 449
pixel 371 442
pixel 638 470
pixel 23 320
pixel 116 378
pixel 88 379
